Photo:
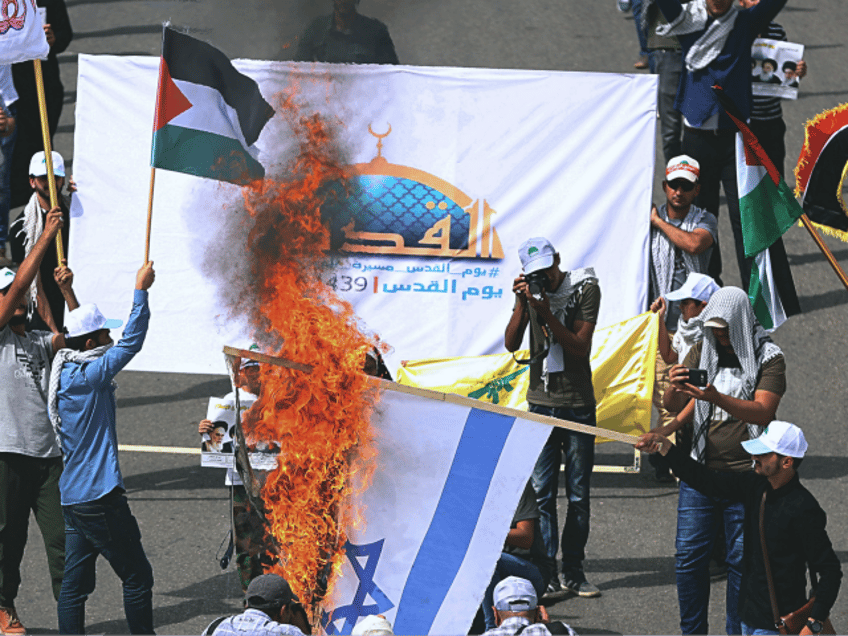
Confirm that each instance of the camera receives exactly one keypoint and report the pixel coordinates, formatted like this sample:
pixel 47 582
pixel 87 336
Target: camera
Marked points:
pixel 698 377
pixel 537 282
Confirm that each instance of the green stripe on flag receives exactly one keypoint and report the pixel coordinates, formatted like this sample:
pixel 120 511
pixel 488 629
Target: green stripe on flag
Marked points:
pixel 204 154
pixel 767 212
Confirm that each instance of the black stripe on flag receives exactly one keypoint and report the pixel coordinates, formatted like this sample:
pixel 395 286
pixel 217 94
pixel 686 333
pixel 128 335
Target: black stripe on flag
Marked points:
pixel 197 62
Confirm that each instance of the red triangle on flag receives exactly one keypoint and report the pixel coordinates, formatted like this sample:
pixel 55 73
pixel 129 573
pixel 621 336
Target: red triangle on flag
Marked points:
pixel 170 100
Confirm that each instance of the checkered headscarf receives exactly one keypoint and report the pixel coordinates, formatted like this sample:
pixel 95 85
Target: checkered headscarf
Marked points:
pixel 693 18
pixel 752 346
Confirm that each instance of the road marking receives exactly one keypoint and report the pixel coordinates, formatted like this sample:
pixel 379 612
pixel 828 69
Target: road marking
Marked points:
pixel 176 450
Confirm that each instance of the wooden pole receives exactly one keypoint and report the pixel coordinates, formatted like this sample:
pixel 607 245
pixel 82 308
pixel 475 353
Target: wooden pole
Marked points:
pixel 149 215
pixel 452 398
pixel 48 151
pixel 825 249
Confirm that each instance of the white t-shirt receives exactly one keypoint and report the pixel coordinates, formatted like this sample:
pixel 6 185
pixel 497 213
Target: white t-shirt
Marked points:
pixel 24 377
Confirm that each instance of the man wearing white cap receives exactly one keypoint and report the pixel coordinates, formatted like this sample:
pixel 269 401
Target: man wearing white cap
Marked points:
pixel 517 611
pixel 561 309
pixel 673 346
pixel 81 405
pixel 794 523
pixel 30 461
pixel 46 303
pixel 746 378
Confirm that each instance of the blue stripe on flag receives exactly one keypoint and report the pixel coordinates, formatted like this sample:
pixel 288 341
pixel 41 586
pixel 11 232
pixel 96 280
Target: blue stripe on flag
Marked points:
pixel 454 521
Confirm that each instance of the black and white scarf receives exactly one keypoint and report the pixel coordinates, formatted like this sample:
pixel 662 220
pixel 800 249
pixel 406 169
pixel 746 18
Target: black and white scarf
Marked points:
pixel 63 356
pixel 752 346
pixel 694 17
pixel 663 252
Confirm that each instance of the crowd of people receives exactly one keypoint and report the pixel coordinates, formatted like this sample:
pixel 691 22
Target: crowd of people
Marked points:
pixel 736 463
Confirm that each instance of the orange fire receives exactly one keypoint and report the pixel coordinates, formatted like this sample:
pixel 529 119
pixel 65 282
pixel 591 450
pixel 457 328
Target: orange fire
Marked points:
pixel 320 419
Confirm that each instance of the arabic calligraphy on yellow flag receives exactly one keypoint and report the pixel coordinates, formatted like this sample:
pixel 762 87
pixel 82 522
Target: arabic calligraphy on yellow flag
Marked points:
pixel 623 358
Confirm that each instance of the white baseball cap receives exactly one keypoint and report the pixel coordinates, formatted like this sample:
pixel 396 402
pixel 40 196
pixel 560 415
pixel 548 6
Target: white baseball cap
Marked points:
pixel 698 286
pixel 6 278
pixel 88 319
pixel 515 594
pixel 536 254
pixel 372 625
pixel 38 165
pixel 779 437
pixel 682 167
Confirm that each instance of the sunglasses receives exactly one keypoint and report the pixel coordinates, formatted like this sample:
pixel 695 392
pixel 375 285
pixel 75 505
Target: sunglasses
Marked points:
pixel 681 184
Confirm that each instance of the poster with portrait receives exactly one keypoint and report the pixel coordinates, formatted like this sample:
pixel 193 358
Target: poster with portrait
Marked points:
pixel 218 446
pixel 774 68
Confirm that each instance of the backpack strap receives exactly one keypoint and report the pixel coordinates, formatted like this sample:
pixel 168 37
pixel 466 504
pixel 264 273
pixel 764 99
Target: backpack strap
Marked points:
pixel 214 625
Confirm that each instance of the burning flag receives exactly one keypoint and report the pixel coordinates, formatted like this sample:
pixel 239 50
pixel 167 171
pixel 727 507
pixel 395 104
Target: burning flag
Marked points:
pixel 21 35
pixel 822 169
pixel 767 208
pixel 438 510
pixel 208 115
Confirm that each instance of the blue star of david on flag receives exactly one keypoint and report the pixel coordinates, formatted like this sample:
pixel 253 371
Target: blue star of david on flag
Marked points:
pixel 365 573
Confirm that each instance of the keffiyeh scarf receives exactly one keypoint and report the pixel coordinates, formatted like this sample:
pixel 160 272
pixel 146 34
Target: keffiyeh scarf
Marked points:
pixel 63 356
pixel 752 346
pixel 663 252
pixel 694 17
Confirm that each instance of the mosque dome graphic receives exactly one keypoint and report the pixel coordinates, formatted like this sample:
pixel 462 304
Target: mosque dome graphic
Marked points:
pixel 393 210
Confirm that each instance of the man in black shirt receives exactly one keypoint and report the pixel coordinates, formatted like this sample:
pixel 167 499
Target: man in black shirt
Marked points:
pixel 346 36
pixel 794 525
pixel 45 297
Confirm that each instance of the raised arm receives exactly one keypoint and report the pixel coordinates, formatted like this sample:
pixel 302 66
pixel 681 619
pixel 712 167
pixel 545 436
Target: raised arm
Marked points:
pixel 104 369
pixel 29 268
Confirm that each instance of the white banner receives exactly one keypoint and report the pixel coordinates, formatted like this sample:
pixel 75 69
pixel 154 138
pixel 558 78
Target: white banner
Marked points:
pixel 21 34
pixel 455 169
pixel 437 513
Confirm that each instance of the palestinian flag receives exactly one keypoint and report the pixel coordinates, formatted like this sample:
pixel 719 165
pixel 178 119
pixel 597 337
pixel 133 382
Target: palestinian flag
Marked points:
pixel 208 115
pixel 767 208
pixel 822 171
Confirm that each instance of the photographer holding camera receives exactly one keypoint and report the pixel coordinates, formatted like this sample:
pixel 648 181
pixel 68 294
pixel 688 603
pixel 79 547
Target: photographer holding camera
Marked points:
pixel 561 309
pixel 745 380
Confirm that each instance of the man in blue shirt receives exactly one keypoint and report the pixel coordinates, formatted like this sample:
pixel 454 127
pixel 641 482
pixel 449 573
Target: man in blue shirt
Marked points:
pixel 82 408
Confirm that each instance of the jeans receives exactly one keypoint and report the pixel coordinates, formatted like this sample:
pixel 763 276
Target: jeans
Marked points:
pixel 696 530
pixel 577 452
pixel 7 145
pixel 669 66
pixel 510 565
pixel 105 526
pixel 756 631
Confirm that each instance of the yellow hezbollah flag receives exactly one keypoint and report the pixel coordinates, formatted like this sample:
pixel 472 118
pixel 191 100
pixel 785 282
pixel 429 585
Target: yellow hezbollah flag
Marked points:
pixel 623 359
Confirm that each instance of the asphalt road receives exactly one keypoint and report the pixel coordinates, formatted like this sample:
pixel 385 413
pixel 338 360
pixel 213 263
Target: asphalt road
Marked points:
pixel 182 509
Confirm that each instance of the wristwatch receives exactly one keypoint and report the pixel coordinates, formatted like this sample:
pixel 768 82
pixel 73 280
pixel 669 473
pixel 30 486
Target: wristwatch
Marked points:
pixel 814 625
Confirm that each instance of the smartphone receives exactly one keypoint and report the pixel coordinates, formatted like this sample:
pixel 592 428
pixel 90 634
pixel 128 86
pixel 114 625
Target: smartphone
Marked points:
pixel 698 377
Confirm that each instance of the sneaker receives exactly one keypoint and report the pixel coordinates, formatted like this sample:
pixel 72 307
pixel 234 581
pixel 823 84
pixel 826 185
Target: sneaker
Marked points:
pixel 553 591
pixel 624 5
pixel 9 622
pixel 580 588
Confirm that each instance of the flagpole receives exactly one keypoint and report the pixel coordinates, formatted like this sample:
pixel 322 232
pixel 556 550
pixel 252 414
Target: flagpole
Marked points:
pixel 825 249
pixel 149 215
pixel 48 151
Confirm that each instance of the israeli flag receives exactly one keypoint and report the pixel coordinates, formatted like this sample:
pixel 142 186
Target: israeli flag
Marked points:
pixel 447 483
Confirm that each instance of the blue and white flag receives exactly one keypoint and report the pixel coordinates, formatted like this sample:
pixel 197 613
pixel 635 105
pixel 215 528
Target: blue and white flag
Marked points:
pixel 447 483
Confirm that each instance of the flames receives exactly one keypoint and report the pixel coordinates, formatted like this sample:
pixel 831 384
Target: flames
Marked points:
pixel 320 419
